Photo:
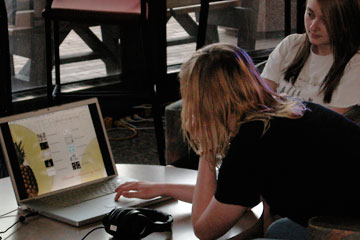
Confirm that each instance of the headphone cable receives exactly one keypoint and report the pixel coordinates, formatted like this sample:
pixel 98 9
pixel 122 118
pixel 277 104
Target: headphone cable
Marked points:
pixel 21 219
pixel 91 232
pixel 4 214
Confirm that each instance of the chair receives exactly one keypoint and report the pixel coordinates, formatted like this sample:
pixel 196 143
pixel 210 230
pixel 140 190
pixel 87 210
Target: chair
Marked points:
pixel 323 227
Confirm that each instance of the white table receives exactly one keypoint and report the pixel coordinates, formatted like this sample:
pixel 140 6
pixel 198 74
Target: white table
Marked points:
pixel 39 227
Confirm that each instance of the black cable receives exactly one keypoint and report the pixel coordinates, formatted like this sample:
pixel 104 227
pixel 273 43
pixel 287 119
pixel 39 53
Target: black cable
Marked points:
pixel 12 225
pixel 23 218
pixel 90 232
pixel 20 219
pixel 4 214
pixel 30 214
pixel 132 129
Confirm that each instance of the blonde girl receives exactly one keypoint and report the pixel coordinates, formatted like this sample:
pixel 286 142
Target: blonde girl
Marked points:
pixel 255 145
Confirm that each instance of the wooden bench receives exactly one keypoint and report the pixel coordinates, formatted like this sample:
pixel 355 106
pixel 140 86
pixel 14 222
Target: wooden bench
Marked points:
pixel 241 15
pixel 180 10
pixel 27 37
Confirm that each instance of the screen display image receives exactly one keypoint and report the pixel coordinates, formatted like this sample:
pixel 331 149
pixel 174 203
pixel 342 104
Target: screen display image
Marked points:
pixel 57 150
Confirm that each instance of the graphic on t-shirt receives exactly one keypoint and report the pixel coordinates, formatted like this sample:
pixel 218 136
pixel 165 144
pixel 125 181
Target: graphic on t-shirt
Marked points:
pixel 57 150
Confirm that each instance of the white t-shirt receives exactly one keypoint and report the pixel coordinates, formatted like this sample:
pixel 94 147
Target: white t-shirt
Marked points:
pixel 307 86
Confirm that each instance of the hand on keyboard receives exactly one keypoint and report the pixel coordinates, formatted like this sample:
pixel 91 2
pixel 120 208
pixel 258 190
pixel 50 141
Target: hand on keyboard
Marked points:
pixel 138 189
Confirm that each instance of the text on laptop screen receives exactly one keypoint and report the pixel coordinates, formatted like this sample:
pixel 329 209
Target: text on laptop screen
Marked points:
pixel 57 150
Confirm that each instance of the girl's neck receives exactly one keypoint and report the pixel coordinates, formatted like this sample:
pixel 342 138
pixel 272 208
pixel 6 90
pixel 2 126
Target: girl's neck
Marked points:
pixel 321 50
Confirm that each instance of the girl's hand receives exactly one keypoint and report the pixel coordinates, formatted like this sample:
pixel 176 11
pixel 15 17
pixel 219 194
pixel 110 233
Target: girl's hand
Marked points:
pixel 139 189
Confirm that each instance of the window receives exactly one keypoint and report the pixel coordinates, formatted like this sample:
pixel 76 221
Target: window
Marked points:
pixel 254 25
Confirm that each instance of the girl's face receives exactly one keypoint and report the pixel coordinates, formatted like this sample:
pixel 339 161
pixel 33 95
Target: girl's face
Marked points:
pixel 316 29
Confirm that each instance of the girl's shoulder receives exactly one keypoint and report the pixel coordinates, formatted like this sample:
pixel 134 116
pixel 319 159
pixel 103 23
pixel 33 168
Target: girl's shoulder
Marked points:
pixel 289 45
pixel 293 40
pixel 355 61
pixel 296 37
pixel 347 92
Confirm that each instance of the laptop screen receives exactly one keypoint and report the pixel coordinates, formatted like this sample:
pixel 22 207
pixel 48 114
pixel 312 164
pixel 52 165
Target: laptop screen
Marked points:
pixel 56 150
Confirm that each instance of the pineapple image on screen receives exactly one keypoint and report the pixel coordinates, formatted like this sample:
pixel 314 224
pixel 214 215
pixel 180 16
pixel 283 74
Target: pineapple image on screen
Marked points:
pixel 27 174
pixel 32 156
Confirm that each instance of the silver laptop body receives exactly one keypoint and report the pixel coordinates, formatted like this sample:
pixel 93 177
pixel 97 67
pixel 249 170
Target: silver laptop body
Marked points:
pixel 57 154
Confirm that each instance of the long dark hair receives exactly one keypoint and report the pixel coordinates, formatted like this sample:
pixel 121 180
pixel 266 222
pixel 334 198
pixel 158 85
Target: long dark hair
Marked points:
pixel 342 18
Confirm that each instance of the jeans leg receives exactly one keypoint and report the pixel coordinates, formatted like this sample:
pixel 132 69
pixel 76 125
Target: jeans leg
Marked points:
pixel 284 228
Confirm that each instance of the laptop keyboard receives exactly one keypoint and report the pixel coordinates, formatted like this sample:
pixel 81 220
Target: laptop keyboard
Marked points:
pixel 84 194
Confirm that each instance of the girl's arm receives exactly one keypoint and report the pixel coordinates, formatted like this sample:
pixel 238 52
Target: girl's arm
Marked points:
pixel 273 85
pixel 340 110
pixel 147 190
pixel 211 218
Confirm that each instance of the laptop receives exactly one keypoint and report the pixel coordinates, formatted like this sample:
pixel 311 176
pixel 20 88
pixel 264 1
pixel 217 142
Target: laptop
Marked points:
pixel 61 165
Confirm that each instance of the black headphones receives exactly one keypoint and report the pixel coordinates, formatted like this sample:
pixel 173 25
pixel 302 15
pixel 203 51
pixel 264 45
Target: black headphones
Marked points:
pixel 136 223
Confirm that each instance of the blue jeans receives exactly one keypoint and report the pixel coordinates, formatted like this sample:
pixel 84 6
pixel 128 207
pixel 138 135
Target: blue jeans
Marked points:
pixel 284 228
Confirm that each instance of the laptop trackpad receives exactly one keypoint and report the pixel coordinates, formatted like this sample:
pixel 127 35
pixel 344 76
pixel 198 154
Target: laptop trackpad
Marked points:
pixel 131 202
pixel 109 202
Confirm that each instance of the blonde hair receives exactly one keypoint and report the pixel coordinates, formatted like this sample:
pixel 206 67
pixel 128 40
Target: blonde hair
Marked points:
pixel 222 89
